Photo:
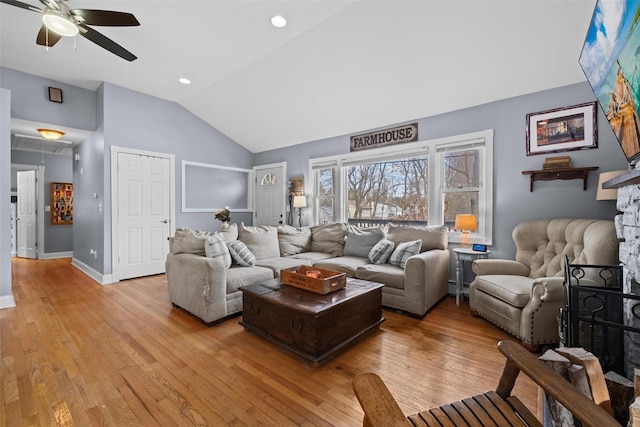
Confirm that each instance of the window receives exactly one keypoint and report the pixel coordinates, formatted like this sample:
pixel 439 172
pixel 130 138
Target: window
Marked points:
pixel 388 190
pixel 421 183
pixel 324 177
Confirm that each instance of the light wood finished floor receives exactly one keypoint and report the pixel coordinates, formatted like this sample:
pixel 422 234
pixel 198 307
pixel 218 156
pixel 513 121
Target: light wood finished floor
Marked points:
pixel 74 352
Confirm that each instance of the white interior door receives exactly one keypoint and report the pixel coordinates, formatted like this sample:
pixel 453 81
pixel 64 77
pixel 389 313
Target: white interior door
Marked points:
pixel 27 214
pixel 144 214
pixel 270 194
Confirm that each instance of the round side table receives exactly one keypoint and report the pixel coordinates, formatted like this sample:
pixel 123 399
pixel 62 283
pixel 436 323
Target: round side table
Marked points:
pixel 462 255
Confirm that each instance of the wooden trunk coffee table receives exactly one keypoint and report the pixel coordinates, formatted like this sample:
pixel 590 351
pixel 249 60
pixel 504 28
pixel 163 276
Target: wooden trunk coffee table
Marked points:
pixel 311 325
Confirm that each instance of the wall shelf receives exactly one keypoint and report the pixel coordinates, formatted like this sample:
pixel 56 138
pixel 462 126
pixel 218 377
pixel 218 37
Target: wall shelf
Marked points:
pixel 564 173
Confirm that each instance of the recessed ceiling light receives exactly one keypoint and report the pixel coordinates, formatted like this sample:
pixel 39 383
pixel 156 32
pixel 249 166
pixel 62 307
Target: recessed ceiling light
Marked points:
pixel 278 21
pixel 184 81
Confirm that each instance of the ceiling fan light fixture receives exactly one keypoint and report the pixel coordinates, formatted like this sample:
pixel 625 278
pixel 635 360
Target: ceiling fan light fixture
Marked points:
pixel 52 134
pixel 59 23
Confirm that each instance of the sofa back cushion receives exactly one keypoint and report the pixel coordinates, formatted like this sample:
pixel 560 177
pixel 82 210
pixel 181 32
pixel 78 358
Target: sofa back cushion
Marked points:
pixel 360 241
pixel 262 241
pixel 294 240
pixel 188 241
pixel 542 245
pixel 433 237
pixel 192 241
pixel 328 238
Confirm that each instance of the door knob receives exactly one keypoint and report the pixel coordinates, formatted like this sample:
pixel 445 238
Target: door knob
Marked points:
pixel 280 222
pixel 164 221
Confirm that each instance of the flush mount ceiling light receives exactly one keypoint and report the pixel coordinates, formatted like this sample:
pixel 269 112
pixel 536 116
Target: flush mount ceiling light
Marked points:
pixel 52 134
pixel 59 23
pixel 278 21
pixel 184 81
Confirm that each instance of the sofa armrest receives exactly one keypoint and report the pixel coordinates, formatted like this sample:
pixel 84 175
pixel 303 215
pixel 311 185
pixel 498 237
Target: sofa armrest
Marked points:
pixel 197 284
pixel 540 315
pixel 483 267
pixel 426 279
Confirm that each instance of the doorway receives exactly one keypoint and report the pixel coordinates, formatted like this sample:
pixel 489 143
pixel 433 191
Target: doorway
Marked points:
pixel 143 211
pixel 270 192
pixel 30 210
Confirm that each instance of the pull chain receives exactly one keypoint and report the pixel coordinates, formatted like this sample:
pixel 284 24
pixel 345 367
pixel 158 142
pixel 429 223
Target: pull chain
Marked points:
pixel 75 43
pixel 46 38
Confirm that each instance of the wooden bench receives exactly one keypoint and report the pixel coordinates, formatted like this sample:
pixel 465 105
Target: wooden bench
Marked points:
pixel 497 407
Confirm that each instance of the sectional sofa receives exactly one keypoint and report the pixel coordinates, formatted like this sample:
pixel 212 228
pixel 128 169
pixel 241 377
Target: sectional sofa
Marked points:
pixel 205 270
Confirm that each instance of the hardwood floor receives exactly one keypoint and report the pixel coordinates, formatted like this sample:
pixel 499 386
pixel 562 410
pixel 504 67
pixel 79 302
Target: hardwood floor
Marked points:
pixel 74 352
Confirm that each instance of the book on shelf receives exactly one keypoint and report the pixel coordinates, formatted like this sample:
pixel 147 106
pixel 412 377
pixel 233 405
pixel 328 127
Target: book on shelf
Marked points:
pixel 558 162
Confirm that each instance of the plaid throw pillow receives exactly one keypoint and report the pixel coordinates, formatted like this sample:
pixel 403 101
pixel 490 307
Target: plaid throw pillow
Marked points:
pixel 241 254
pixel 404 251
pixel 381 251
pixel 216 248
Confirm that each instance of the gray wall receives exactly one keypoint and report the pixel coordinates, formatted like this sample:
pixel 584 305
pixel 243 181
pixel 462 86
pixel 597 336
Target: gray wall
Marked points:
pixel 6 295
pixel 30 101
pixel 57 238
pixel 131 119
pixel 513 203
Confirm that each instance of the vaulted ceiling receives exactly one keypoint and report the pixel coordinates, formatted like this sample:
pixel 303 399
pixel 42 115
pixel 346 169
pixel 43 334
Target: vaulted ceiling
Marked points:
pixel 338 67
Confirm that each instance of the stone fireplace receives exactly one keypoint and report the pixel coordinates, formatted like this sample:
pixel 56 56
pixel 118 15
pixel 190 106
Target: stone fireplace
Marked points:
pixel 628 230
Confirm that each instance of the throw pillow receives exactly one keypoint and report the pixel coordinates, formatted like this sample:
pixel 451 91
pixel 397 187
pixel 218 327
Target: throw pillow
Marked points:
pixel 328 238
pixel 293 240
pixel 262 241
pixel 381 252
pixel 241 254
pixel 215 247
pixel 404 251
pixel 230 233
pixel 433 236
pixel 188 241
pixel 360 241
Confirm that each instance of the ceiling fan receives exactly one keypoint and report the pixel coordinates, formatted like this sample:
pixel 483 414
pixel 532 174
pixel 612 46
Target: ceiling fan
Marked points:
pixel 59 20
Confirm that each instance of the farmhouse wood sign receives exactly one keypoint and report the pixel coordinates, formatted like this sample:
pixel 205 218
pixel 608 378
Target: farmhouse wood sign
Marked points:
pixel 384 137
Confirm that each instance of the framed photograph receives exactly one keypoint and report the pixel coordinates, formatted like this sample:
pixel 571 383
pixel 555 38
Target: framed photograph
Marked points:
pixel 55 94
pixel 563 129
pixel 61 203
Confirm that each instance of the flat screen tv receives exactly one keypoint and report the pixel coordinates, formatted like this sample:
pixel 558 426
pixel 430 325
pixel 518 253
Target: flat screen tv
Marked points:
pixel 610 60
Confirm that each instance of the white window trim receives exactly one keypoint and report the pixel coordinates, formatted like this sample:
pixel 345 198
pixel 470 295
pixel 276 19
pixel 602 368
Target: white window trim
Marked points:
pixel 430 147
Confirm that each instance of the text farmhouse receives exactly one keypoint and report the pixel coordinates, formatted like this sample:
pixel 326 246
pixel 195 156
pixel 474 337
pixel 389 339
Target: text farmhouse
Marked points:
pixel 380 138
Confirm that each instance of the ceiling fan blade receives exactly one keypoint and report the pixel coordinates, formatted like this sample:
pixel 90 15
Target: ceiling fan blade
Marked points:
pixel 106 43
pixel 20 4
pixel 105 18
pixel 51 4
pixel 43 40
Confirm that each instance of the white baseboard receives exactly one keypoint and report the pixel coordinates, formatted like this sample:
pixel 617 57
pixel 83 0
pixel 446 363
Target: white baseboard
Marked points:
pixel 54 255
pixel 7 301
pixel 103 279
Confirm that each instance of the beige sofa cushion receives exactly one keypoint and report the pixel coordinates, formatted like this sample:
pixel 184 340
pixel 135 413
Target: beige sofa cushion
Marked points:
pixel 186 241
pixel 514 290
pixel 433 237
pixel 293 240
pixel 344 264
pixel 243 276
pixel 360 241
pixel 262 241
pixel 328 238
pixel 388 274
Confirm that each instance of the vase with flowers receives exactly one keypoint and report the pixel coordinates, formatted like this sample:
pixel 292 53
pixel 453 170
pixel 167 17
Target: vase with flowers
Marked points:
pixel 223 215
